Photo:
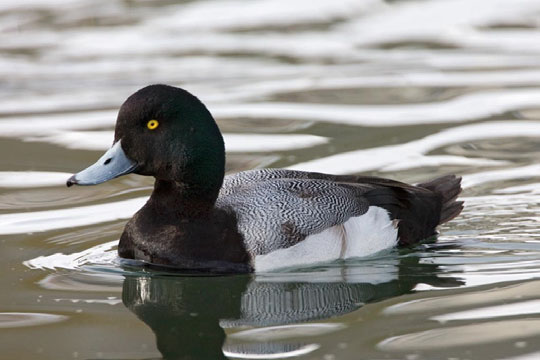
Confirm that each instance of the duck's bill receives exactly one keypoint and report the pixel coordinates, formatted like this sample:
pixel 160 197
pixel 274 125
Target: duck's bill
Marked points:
pixel 112 164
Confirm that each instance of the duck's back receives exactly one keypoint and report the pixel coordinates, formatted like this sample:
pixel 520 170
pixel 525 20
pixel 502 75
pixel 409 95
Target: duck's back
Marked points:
pixel 290 218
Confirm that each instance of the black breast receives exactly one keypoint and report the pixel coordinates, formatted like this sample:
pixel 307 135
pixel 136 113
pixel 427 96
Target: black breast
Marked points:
pixel 211 242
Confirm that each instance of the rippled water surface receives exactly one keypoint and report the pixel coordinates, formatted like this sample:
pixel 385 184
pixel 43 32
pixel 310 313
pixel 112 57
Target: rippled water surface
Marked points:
pixel 402 89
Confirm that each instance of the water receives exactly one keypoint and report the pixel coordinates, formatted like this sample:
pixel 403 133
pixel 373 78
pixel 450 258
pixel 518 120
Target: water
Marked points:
pixel 402 89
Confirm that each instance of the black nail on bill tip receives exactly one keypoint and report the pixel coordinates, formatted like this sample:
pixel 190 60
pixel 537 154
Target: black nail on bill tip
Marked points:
pixel 71 181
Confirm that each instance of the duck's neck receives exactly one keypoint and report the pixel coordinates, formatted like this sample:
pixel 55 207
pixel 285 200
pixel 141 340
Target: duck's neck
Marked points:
pixel 184 200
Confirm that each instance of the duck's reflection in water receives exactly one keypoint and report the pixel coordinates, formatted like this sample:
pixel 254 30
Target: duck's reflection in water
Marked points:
pixel 189 314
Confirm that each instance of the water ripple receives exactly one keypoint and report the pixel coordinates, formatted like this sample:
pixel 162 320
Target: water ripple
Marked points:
pixel 17 319
pixel 411 154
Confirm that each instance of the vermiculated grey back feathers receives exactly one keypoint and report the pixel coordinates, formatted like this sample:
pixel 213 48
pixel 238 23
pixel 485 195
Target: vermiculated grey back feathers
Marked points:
pixel 278 208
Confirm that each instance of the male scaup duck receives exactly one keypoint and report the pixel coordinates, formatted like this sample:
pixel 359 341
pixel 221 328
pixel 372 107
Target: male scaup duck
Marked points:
pixel 258 220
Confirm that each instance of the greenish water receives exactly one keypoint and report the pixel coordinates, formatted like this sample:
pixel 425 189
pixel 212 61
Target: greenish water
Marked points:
pixel 402 89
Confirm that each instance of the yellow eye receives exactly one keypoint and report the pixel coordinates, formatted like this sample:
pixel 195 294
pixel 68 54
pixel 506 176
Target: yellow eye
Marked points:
pixel 152 124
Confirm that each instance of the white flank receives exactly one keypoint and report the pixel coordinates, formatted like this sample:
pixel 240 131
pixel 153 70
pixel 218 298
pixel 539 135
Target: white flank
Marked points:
pixel 358 237
pixel 370 233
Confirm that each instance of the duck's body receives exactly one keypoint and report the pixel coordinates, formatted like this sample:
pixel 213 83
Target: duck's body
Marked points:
pixel 257 220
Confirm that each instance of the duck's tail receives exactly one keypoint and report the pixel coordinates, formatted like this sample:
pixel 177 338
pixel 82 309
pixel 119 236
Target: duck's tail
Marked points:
pixel 448 187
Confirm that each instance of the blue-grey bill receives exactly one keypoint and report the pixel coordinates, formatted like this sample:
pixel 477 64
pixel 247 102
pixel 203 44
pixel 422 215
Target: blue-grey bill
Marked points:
pixel 112 164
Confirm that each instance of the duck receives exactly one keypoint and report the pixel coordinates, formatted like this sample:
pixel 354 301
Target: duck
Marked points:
pixel 262 220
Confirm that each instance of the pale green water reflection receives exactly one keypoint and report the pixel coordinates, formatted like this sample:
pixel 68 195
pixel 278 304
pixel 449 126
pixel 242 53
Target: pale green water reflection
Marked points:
pixel 264 316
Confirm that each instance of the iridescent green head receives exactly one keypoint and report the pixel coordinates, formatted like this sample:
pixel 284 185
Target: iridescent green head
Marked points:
pixel 165 132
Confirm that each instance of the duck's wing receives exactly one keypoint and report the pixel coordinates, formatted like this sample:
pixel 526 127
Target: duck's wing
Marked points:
pixel 277 213
pixel 292 216
pixel 232 181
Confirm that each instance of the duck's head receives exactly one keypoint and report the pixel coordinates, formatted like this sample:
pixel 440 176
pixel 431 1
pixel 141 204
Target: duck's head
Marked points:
pixel 164 132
